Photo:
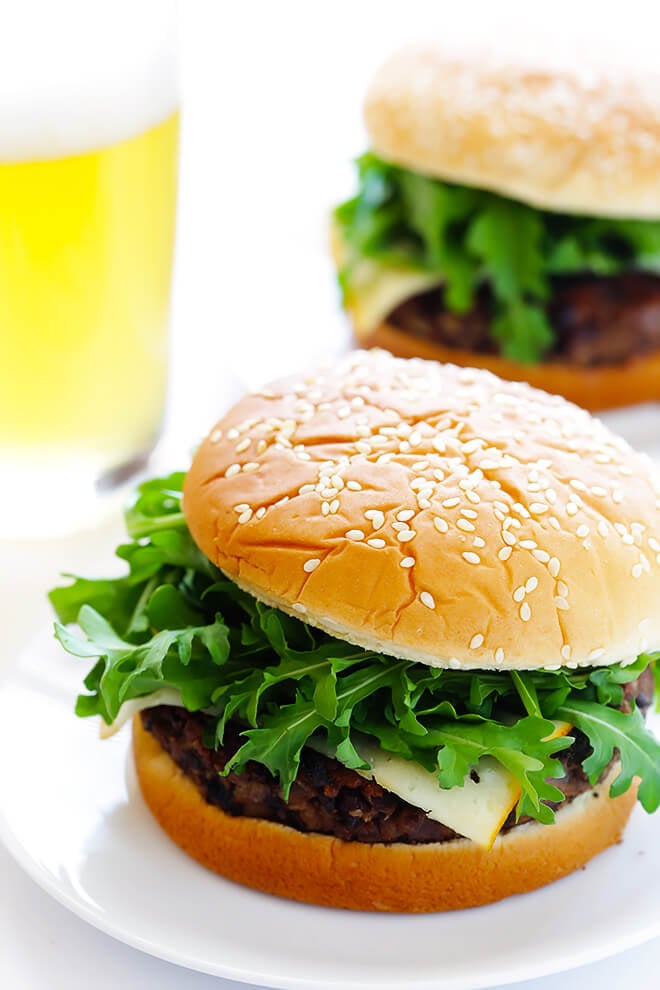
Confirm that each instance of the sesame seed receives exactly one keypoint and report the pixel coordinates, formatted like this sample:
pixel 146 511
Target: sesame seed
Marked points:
pixel 479 542
pixel 528 544
pixel 561 603
pixel 472 496
pixel 375 517
pixel 424 503
pixel 215 436
pixel 541 555
pixel 562 589
pixel 232 470
pixel 406 535
pixel 415 438
pixel 499 655
pixel 451 503
pixel 233 434
pixel 325 508
pixel 596 654
pixel 531 584
pixel 519 594
pixel 311 565
pixel 538 507
pixel 241 507
pixel 582 531
pixel 420 465
pixel 598 491
pixel 299 607
pixel 305 489
pixel 525 612
pixel 354 486
pixel 505 553
pixel 407 562
pixel 602 529
pixel 243 445
pixel 476 641
pixel 470 557
pixel 426 598
pixel 261 512
pixel 465 525
pixel 509 537
pixel 440 524
pixel 469 513
pixel 376 542
pixel 405 515
pixel 281 501
pixel 566 651
pixel 245 516
pixel 637 571
pixel 334 506
pixel 354 534
pixel 553 567
pixel 572 509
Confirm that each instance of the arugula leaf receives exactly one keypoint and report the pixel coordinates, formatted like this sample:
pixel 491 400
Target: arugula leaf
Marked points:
pixel 473 237
pixel 174 621
pixel 610 731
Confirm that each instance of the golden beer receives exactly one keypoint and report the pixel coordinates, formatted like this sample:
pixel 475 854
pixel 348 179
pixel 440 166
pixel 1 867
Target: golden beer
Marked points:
pixel 85 267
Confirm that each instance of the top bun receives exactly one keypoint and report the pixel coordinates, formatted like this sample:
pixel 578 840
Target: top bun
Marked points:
pixel 435 513
pixel 564 137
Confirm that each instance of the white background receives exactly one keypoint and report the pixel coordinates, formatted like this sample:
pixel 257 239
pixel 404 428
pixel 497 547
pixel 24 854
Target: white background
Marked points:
pixel 271 96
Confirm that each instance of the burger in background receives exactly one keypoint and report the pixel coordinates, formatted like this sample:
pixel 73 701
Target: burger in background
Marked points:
pixel 392 649
pixel 508 216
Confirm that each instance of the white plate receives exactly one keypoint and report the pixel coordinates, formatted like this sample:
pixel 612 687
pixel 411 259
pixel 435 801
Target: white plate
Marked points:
pixel 73 818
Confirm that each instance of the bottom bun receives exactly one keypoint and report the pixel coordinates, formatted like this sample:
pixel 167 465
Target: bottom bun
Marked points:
pixel 593 388
pixel 320 869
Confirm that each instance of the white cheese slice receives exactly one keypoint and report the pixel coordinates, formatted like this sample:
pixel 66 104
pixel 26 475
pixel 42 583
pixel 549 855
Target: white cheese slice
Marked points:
pixel 379 289
pixel 166 696
pixel 375 288
pixel 475 810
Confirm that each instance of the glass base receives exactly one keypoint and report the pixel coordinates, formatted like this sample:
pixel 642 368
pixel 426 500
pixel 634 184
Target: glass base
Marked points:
pixel 49 494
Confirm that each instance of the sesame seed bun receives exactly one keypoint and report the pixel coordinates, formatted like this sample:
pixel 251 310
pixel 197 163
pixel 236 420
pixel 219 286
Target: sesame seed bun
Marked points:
pixel 436 514
pixel 560 135
pixel 320 869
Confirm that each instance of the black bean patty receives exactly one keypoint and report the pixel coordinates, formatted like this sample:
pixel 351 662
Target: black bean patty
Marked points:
pixel 327 797
pixel 598 320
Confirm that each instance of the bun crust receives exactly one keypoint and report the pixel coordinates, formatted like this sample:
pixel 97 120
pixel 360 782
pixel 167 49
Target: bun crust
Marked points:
pixel 561 137
pixel 436 514
pixel 595 389
pixel 319 869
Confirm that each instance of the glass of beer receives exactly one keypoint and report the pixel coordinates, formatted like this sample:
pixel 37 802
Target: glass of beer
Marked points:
pixel 88 175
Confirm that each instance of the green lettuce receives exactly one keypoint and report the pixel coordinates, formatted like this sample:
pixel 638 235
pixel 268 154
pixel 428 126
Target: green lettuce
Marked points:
pixel 174 621
pixel 472 236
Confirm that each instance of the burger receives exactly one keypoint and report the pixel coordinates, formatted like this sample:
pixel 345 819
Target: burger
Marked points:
pixel 388 644
pixel 508 216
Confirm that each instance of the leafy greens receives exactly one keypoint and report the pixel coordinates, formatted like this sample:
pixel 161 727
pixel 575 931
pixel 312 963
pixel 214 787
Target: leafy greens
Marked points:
pixel 472 236
pixel 174 621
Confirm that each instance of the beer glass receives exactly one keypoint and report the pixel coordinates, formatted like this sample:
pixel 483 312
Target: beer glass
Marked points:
pixel 88 173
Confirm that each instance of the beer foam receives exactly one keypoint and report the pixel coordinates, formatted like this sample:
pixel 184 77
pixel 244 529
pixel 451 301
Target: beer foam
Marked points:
pixel 77 75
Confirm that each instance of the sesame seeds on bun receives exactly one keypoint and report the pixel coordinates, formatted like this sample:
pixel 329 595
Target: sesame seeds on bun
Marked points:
pixel 560 132
pixel 435 513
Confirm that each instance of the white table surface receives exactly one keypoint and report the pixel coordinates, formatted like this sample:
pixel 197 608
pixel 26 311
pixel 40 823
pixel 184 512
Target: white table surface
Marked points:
pixel 271 97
